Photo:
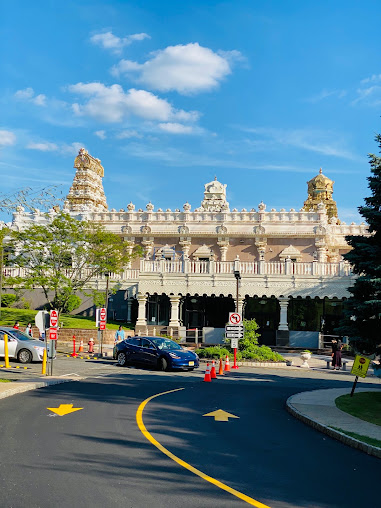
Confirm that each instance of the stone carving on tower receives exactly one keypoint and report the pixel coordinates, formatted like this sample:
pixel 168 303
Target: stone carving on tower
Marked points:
pixel 215 197
pixel 86 193
pixel 320 190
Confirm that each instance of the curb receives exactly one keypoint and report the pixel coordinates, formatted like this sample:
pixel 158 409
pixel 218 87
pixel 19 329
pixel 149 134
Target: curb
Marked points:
pixel 252 364
pixel 344 438
pixel 34 385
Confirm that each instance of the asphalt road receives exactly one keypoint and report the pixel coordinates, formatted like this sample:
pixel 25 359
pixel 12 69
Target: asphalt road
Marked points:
pixel 98 457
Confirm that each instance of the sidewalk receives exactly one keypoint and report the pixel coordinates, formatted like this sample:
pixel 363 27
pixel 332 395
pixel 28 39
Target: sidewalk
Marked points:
pixel 318 409
pixel 20 386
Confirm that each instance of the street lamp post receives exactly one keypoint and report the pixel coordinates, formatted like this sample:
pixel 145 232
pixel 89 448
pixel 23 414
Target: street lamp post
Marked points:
pixel 237 276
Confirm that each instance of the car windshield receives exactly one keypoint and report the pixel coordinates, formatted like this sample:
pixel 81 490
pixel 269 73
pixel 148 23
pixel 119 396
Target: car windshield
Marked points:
pixel 21 335
pixel 165 344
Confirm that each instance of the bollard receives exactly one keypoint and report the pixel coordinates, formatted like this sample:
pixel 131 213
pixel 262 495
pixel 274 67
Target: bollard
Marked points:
pixel 43 372
pixel 6 355
pixel 74 353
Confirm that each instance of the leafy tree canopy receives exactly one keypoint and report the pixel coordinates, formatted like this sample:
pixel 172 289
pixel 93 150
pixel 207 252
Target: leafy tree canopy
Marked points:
pixel 63 255
pixel 362 322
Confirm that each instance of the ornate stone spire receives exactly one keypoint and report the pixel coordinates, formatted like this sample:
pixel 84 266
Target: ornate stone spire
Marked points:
pixel 86 192
pixel 215 197
pixel 320 190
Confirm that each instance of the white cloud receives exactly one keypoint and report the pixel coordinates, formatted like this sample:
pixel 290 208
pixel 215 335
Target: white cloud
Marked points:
pixel 324 94
pixel 109 41
pixel 369 92
pixel 126 134
pixel 100 134
pixel 7 138
pixel 187 69
pixel 177 128
pixel 375 78
pixel 312 140
pixel 72 148
pixel 113 104
pixel 43 147
pixel 28 95
pixel 64 148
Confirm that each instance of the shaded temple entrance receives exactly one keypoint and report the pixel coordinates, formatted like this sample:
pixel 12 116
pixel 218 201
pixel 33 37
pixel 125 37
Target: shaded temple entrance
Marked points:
pixel 199 311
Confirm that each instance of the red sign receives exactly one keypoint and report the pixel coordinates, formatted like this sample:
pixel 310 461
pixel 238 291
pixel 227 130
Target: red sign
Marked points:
pixel 53 333
pixel 102 314
pixel 362 360
pixel 53 319
pixel 235 318
pixel 102 325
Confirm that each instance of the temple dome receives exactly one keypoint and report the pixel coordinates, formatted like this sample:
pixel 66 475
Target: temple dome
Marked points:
pixel 320 190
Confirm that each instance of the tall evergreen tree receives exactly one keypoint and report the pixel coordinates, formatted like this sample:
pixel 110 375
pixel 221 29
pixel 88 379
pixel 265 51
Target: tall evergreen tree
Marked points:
pixel 362 322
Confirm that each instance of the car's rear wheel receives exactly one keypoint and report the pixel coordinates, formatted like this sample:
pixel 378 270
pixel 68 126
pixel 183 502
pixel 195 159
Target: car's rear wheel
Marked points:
pixel 163 364
pixel 24 356
pixel 122 359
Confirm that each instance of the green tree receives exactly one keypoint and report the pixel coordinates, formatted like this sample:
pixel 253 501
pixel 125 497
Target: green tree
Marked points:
pixel 63 255
pixel 362 321
pixel 250 335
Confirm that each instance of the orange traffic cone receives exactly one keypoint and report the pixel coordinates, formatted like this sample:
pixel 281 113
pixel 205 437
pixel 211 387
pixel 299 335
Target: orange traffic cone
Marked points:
pixel 227 364
pixel 80 349
pixel 213 374
pixel 207 377
pixel 221 370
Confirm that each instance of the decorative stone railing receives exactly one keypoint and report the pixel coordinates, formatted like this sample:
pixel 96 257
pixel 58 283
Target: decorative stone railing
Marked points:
pixel 287 267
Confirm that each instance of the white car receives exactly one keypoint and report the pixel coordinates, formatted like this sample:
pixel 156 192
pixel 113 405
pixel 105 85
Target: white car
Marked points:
pixel 21 346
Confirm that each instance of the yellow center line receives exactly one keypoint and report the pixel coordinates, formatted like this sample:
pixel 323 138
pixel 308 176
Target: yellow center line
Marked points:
pixel 151 439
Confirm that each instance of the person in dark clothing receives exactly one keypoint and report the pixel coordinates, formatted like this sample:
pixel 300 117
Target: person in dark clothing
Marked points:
pixel 337 346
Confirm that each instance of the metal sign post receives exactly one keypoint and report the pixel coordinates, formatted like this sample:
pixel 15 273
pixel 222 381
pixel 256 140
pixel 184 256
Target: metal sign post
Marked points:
pixel 53 337
pixel 360 368
pixel 234 331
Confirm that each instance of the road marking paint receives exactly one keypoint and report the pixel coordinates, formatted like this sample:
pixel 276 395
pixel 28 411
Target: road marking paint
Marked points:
pixel 64 409
pixel 220 415
pixel 151 439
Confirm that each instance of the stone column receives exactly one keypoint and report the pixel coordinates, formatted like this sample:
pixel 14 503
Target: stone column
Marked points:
pixel 185 244
pixel 240 305
pixel 223 245
pixel 283 323
pixel 175 300
pixel 142 300
pixel 129 307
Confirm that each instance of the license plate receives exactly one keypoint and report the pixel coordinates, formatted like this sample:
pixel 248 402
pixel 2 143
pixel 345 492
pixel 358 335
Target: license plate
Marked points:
pixel 191 364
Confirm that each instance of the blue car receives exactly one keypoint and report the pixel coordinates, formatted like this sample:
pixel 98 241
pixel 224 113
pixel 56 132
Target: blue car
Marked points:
pixel 156 352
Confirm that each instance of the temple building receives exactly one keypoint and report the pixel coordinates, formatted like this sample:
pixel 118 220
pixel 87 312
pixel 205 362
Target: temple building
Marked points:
pixel 287 265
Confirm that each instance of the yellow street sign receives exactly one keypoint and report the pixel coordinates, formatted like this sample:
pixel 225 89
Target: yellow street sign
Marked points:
pixel 220 415
pixel 64 409
pixel 360 366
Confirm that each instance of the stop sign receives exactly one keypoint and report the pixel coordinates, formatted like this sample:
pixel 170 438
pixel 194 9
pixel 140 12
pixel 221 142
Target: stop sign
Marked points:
pixel 53 319
pixel 102 314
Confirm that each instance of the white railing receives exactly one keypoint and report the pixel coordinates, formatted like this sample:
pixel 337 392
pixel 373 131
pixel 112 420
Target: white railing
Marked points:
pixel 246 268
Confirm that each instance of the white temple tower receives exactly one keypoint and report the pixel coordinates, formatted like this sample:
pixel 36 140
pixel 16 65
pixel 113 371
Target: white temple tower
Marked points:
pixel 86 192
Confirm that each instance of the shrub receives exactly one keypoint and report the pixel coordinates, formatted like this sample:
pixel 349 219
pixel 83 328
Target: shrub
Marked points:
pixel 215 352
pixel 8 299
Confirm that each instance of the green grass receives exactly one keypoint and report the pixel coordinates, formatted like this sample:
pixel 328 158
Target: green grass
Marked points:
pixel 9 316
pixel 365 439
pixel 5 380
pixel 363 405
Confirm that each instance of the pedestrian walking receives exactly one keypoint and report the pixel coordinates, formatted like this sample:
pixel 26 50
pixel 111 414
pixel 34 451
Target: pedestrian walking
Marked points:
pixel 28 330
pixel 119 334
pixel 16 326
pixel 337 346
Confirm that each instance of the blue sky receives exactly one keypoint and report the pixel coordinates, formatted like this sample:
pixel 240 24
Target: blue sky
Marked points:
pixel 169 94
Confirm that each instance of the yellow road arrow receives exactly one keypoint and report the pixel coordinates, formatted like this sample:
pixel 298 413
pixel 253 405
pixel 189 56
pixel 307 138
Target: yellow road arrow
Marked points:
pixel 64 409
pixel 221 416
